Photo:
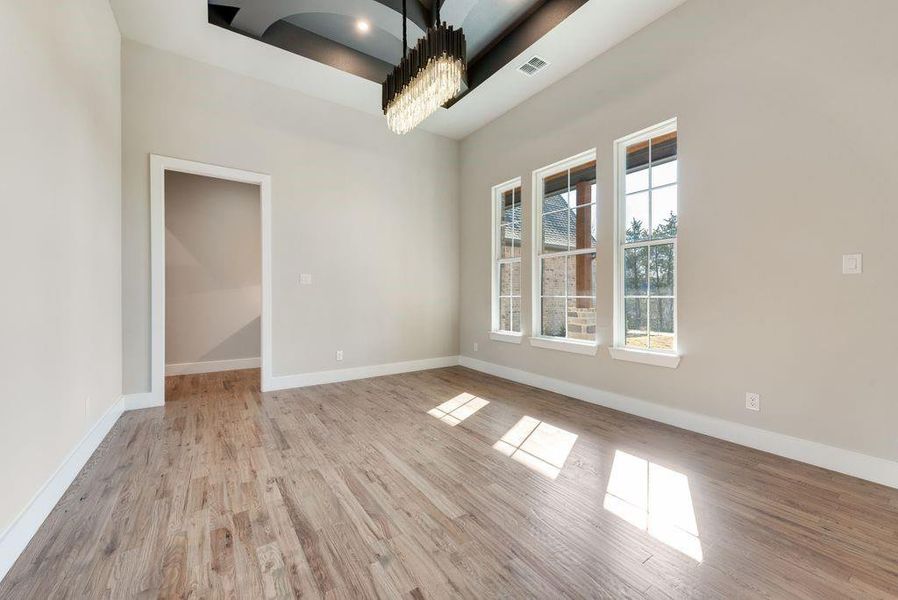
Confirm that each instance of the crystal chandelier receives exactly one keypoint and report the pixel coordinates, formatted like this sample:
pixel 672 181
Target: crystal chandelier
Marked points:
pixel 426 78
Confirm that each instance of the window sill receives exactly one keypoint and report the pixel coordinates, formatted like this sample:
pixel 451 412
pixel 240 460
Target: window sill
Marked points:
pixel 657 359
pixel 506 336
pixel 565 345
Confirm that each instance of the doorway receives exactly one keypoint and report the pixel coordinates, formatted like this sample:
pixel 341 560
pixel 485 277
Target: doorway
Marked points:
pixel 223 324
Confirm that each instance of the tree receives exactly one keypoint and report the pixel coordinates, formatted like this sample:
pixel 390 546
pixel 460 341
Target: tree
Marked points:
pixel 635 276
pixel 636 231
pixel 667 229
pixel 662 276
pixel 649 271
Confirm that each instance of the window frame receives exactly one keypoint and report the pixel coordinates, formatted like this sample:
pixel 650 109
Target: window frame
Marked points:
pixel 537 338
pixel 496 259
pixel 619 349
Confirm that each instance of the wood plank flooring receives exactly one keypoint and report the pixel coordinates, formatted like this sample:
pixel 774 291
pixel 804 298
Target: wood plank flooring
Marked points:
pixel 355 490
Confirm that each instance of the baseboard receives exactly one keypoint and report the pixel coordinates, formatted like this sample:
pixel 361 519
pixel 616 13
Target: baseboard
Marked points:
pixel 212 366
pixel 863 466
pixel 142 400
pixel 283 382
pixel 16 536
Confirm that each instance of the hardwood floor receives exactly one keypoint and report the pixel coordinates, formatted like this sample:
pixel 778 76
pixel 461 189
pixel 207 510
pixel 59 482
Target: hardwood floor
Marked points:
pixel 354 490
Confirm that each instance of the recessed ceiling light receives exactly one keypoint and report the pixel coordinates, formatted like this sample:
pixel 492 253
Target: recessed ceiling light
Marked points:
pixel 362 25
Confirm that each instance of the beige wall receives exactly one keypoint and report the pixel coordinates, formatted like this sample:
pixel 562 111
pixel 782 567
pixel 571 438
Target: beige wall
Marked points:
pixel 213 269
pixel 60 246
pixel 373 217
pixel 787 156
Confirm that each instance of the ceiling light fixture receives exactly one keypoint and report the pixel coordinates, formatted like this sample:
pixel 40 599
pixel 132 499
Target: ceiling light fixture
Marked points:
pixel 427 77
pixel 362 25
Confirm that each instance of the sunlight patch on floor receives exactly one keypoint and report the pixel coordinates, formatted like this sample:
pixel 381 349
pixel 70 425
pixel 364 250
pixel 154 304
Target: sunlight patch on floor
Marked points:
pixel 537 445
pixel 655 499
pixel 458 409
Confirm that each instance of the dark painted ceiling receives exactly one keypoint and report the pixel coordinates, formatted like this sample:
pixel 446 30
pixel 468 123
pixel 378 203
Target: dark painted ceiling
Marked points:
pixel 328 30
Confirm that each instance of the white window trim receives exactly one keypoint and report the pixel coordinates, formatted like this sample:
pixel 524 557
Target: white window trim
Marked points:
pixel 619 351
pixel 565 345
pixel 506 336
pixel 537 339
pixel 647 357
pixel 496 333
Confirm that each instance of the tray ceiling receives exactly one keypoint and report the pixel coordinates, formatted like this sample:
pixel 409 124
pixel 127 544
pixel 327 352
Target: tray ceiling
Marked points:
pixel 328 57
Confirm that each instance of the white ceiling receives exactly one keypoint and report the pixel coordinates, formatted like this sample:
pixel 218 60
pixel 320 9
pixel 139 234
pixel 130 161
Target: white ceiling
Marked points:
pixel 182 27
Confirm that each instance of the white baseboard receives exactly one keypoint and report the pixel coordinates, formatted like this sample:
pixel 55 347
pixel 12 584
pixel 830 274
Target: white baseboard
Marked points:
pixel 16 536
pixel 863 466
pixel 143 400
pixel 283 382
pixel 213 366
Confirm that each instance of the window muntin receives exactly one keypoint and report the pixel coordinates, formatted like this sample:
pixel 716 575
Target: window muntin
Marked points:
pixel 565 250
pixel 647 237
pixel 507 258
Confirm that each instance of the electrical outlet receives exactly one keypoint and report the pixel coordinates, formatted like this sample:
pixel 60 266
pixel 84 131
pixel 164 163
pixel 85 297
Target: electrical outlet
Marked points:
pixel 752 401
pixel 339 355
pixel 852 264
pixel 476 346
pixel 305 279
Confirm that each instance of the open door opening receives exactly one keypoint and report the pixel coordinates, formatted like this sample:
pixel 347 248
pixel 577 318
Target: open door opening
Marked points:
pixel 213 275
pixel 210 245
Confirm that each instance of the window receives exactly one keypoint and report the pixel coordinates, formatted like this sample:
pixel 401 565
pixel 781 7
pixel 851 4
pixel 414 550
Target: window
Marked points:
pixel 646 249
pixel 507 258
pixel 565 251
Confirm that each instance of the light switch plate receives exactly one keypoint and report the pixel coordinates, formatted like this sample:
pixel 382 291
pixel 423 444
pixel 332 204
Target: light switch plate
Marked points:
pixel 305 279
pixel 852 264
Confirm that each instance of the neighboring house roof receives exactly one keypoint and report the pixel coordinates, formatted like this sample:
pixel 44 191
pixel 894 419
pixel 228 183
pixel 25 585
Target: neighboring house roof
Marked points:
pixel 555 225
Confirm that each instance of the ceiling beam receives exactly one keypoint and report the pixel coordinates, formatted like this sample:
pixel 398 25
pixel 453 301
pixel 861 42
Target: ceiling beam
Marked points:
pixel 516 39
pixel 297 40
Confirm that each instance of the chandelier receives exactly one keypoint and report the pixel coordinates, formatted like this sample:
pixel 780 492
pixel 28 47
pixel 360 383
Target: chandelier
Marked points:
pixel 427 77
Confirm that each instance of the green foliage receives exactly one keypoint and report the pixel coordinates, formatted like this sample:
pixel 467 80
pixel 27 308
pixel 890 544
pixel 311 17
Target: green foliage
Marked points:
pixel 667 229
pixel 649 273
pixel 636 232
